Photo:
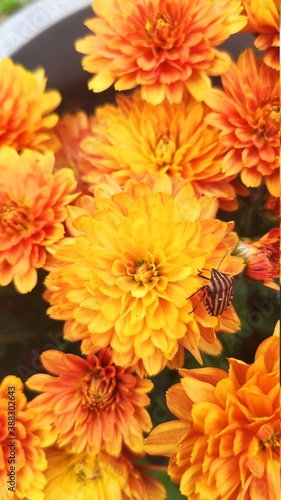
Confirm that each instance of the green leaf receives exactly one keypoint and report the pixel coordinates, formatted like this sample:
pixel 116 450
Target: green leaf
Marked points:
pixel 10 6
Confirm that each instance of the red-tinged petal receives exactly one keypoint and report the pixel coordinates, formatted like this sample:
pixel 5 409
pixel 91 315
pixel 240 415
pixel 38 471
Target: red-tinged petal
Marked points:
pixel 250 157
pixel 232 162
pixel 251 177
pixel 209 375
pixel 197 390
pixel 175 398
pixel 26 282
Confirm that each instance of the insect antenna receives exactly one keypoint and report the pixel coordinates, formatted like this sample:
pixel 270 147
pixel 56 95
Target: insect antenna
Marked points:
pixel 223 258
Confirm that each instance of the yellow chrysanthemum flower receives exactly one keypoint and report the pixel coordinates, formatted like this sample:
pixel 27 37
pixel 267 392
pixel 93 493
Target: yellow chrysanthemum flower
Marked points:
pixel 226 442
pixel 23 460
pixel 264 21
pixel 26 119
pixel 136 137
pixel 126 278
pixel 82 476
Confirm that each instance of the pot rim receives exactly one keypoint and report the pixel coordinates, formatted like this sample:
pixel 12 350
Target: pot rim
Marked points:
pixel 34 19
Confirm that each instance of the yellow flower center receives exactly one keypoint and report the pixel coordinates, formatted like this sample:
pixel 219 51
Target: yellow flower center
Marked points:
pixel 87 473
pixel 161 31
pixel 268 121
pixel 142 271
pixel 164 153
pixel 14 218
pixel 271 442
pixel 98 390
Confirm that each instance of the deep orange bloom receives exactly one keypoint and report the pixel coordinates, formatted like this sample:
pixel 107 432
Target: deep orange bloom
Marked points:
pixel 33 203
pixel 20 445
pixel 91 404
pixel 262 257
pixel 264 21
pixel 137 137
pixel 165 46
pixel 27 119
pixel 98 477
pixel 126 279
pixel 226 441
pixel 71 129
pixel 248 114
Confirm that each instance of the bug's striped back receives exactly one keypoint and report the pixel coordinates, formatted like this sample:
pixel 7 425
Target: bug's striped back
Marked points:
pixel 218 294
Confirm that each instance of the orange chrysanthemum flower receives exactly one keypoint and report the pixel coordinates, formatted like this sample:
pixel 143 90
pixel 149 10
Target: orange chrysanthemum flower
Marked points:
pixel 99 477
pixel 137 137
pixel 71 130
pixel 226 441
pixel 33 203
pixel 163 45
pixel 262 257
pixel 264 20
pixel 91 404
pixel 22 458
pixel 27 119
pixel 126 278
pixel 247 113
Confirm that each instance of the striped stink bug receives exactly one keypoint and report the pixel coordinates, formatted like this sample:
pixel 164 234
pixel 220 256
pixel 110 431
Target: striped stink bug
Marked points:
pixel 218 293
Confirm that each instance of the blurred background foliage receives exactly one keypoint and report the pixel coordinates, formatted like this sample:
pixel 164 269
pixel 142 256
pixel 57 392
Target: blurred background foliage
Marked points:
pixel 26 330
pixel 8 7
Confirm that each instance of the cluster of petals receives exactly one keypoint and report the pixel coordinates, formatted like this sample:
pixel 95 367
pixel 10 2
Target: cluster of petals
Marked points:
pixel 23 459
pixel 71 130
pixel 264 22
pixel 165 46
pixel 136 137
pixel 91 404
pixel 33 206
pixel 100 477
pixel 27 118
pixel 192 205
pixel 127 277
pixel 247 111
pixel 225 443
pixel 262 257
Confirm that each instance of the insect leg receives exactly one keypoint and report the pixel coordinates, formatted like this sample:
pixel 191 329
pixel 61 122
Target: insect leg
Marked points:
pixel 197 303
